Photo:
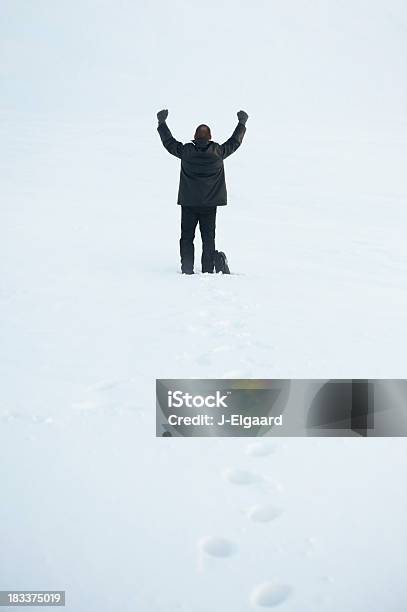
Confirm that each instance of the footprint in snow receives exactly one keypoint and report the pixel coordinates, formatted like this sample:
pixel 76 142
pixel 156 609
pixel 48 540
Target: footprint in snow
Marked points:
pixel 106 385
pixel 230 374
pixel 270 594
pixel 310 546
pixel 260 449
pixel 212 548
pixel 263 513
pixel 215 546
pixel 241 477
pixel 38 419
pixel 86 406
pixel 204 359
pixel 222 348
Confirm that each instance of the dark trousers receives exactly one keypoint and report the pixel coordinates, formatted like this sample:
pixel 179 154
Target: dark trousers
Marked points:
pixel 190 216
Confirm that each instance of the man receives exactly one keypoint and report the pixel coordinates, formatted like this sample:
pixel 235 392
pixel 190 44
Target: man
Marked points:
pixel 202 186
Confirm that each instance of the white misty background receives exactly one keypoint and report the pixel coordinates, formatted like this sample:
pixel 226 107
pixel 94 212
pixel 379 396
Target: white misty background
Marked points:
pixel 93 308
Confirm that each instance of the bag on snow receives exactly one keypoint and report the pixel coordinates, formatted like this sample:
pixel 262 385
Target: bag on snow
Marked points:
pixel 221 262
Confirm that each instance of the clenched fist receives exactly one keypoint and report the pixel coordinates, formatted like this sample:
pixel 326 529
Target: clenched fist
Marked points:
pixel 162 116
pixel 242 116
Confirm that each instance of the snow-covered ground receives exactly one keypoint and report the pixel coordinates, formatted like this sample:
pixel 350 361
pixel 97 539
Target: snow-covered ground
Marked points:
pixel 93 308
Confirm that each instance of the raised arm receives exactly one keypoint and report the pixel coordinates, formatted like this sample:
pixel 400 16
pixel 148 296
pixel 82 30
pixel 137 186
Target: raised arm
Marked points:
pixel 173 146
pixel 234 142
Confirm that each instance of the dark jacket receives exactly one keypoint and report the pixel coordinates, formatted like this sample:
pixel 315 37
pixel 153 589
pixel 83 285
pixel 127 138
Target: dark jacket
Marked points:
pixel 202 177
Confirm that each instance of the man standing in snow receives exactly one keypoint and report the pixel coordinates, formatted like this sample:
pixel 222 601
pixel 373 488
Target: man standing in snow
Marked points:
pixel 202 186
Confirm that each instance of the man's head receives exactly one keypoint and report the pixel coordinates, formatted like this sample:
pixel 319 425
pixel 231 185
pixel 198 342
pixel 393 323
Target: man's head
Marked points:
pixel 203 131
